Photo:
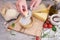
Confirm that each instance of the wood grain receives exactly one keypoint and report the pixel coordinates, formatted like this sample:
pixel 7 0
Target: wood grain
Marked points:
pixel 35 30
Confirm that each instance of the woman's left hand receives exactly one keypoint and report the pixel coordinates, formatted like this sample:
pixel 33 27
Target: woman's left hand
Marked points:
pixel 34 4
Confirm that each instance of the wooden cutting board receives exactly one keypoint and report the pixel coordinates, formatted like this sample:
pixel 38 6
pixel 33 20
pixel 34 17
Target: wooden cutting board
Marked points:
pixel 35 30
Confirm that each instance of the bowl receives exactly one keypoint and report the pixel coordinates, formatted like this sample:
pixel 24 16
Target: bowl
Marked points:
pixel 52 20
pixel 28 25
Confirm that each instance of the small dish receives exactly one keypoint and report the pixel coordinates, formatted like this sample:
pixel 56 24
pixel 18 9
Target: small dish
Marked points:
pixel 28 25
pixel 55 19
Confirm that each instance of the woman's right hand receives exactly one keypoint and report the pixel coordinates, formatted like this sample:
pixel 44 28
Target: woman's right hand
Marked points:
pixel 22 6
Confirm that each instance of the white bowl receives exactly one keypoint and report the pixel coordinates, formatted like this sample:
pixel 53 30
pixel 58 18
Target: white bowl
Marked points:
pixel 53 22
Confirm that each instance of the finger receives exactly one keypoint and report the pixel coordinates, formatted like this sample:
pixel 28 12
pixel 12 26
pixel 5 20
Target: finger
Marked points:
pixel 32 4
pixel 26 9
pixel 25 12
pixel 21 8
pixel 17 6
pixel 36 4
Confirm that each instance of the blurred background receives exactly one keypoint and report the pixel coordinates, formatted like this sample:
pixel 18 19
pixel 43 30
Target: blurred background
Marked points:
pixel 5 35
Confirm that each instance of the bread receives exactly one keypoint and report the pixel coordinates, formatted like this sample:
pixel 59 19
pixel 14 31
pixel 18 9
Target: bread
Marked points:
pixel 3 11
pixel 8 11
pixel 9 14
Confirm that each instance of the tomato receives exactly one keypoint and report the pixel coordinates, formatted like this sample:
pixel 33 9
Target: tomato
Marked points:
pixel 49 25
pixel 37 38
pixel 45 25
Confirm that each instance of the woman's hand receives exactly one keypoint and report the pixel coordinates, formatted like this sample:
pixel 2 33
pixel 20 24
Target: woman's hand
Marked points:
pixel 34 4
pixel 22 6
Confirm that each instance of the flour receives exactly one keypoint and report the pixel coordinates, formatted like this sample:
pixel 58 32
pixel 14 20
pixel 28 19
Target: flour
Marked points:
pixel 26 20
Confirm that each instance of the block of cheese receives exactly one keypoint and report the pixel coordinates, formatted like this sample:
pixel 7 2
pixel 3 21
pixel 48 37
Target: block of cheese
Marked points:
pixel 41 8
pixel 41 12
pixel 41 16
